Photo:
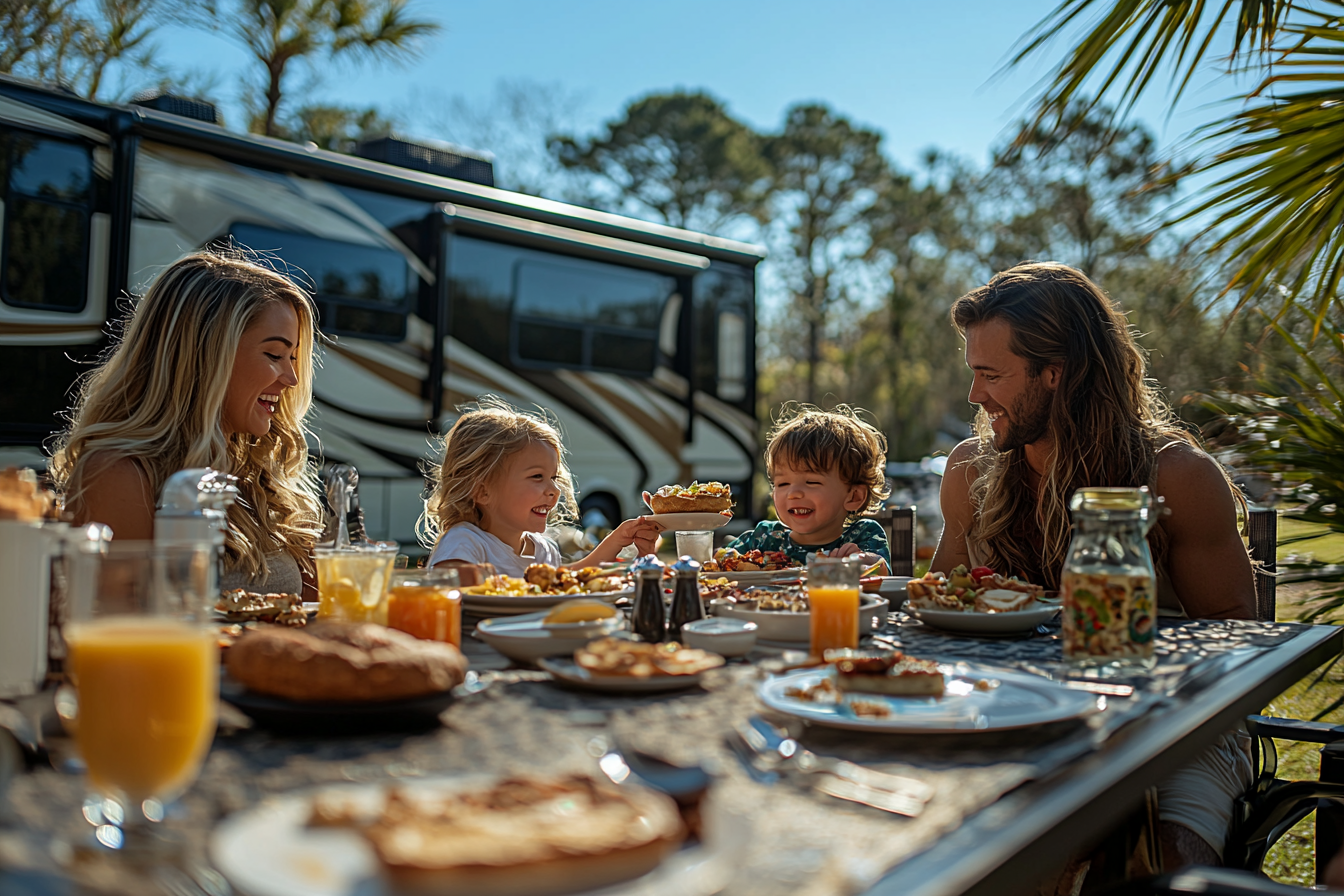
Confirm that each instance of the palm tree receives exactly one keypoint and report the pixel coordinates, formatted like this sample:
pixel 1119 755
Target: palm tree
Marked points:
pixel 1277 204
pixel 278 32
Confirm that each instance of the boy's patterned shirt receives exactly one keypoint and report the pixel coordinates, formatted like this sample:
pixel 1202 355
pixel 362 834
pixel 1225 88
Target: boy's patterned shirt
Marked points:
pixel 772 535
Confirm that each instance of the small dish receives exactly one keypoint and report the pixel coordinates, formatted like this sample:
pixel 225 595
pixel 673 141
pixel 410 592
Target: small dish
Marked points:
pixel 721 634
pixel 526 639
pixel 795 628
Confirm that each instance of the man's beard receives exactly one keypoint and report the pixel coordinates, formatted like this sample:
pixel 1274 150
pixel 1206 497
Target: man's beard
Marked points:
pixel 1029 417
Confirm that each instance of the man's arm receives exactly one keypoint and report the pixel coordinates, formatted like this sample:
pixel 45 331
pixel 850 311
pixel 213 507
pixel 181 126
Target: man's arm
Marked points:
pixel 955 499
pixel 1206 558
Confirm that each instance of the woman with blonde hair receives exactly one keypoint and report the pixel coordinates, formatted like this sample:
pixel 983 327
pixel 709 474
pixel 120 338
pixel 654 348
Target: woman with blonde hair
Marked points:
pixel 214 368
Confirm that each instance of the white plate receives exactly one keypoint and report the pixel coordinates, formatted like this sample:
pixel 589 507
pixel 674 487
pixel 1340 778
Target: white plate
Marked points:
pixel 1019 622
pixel 506 605
pixel 572 673
pixel 1020 701
pixel 268 850
pixel 758 576
pixel 689 522
pixel 526 640
pixel 777 626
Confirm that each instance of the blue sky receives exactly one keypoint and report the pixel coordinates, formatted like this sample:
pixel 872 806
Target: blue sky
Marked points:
pixel 923 73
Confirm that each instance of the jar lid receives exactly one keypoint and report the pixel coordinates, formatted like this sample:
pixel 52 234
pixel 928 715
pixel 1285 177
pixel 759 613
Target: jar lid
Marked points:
pixel 648 566
pixel 1106 499
pixel 686 567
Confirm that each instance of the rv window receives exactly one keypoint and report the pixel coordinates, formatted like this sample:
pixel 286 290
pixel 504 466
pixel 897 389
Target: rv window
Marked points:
pixel 732 342
pixel 589 315
pixel 47 203
pixel 361 290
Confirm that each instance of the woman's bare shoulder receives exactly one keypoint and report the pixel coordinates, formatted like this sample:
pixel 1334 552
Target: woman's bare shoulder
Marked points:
pixel 116 491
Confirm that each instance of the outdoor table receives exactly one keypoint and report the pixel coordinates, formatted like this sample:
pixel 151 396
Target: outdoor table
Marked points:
pixel 1008 806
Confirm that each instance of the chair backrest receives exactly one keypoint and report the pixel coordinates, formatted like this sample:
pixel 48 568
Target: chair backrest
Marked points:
pixel 900 525
pixel 1262 529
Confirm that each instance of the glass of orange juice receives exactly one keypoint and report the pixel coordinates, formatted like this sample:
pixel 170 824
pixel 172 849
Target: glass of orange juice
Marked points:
pixel 352 581
pixel 426 603
pixel 833 599
pixel 144 663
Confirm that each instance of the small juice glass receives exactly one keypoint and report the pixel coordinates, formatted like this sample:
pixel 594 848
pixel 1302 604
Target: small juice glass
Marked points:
pixel 352 581
pixel 833 597
pixel 426 603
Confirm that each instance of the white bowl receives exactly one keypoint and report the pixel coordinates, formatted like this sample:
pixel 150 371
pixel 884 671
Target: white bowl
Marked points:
pixel 525 639
pixel 721 634
pixel 796 628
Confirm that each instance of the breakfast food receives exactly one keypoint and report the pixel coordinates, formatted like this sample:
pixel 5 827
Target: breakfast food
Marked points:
pixel 774 598
pixel 21 498
pixel 698 497
pixel 892 674
pixel 579 610
pixel 248 606
pixel 979 590
pixel 542 578
pixel 340 661
pixel 636 659
pixel 527 836
pixel 732 560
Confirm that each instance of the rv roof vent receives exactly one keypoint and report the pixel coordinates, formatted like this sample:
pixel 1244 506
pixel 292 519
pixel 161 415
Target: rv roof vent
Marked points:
pixel 177 105
pixel 456 163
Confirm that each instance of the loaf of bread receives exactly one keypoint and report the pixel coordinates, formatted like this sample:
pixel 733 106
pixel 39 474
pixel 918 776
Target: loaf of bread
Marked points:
pixel 698 497
pixel 341 661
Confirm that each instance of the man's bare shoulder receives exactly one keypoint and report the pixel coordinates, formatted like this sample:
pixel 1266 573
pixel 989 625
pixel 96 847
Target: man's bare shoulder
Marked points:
pixel 1185 471
pixel 961 461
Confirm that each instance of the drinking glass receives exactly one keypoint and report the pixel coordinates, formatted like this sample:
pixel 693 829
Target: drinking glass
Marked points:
pixel 833 598
pixel 696 545
pixel 352 581
pixel 144 663
pixel 426 603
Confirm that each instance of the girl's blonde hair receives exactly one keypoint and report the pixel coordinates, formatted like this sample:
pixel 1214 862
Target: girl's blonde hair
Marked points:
pixel 807 437
pixel 474 450
pixel 158 398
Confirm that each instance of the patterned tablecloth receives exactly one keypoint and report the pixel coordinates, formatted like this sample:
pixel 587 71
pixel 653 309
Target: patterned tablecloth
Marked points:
pixel 799 841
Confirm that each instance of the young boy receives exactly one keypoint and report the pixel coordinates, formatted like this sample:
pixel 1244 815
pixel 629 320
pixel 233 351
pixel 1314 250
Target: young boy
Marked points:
pixel 825 468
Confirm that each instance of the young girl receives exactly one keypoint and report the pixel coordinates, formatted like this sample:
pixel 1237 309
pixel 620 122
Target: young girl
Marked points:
pixel 502 480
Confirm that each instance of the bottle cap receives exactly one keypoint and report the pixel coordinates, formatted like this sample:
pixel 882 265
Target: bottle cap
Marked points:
pixel 648 566
pixel 685 567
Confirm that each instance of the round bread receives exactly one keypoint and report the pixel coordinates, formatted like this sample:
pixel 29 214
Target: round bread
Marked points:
pixel 689 503
pixel 342 661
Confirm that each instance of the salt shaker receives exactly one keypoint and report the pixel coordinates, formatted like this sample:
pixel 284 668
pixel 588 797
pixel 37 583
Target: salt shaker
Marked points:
pixel 686 603
pixel 649 619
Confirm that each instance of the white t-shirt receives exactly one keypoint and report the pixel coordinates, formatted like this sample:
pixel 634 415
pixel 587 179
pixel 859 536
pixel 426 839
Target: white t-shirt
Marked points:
pixel 469 542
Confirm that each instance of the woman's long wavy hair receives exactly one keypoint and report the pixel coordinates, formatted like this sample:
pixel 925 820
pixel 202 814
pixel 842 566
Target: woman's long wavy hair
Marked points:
pixel 158 397
pixel 1108 420
pixel 477 448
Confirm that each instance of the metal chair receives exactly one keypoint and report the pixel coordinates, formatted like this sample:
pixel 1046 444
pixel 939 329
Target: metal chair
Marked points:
pixel 1266 812
pixel 900 525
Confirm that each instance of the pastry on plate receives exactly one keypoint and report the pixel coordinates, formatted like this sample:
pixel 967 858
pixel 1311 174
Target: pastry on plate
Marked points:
pixel 698 497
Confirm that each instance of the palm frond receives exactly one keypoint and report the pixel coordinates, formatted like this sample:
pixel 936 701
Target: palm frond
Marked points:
pixel 1139 37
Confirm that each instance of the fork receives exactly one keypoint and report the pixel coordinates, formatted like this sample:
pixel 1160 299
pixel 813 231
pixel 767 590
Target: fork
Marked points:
pixel 837 777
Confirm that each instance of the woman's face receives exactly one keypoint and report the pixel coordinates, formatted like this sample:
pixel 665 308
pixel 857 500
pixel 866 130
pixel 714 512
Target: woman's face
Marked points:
pixel 262 370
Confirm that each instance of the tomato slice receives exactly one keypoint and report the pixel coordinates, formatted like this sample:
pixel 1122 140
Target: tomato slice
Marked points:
pixel 981 572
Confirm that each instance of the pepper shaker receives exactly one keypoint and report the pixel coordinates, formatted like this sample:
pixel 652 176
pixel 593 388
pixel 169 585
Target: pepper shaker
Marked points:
pixel 686 603
pixel 648 619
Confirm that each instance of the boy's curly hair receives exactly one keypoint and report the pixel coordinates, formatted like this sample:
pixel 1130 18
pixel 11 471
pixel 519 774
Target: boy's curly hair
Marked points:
pixel 808 437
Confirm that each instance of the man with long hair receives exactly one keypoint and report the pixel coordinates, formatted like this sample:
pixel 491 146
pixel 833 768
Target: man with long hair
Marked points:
pixel 1064 403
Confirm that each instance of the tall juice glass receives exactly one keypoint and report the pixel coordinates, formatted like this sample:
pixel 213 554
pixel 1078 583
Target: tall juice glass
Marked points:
pixel 352 581
pixel 426 603
pixel 833 598
pixel 144 663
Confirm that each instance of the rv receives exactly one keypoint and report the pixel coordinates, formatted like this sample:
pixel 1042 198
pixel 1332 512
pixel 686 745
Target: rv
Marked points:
pixel 433 286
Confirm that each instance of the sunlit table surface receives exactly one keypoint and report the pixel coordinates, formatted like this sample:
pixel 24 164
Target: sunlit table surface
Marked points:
pixel 1006 805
